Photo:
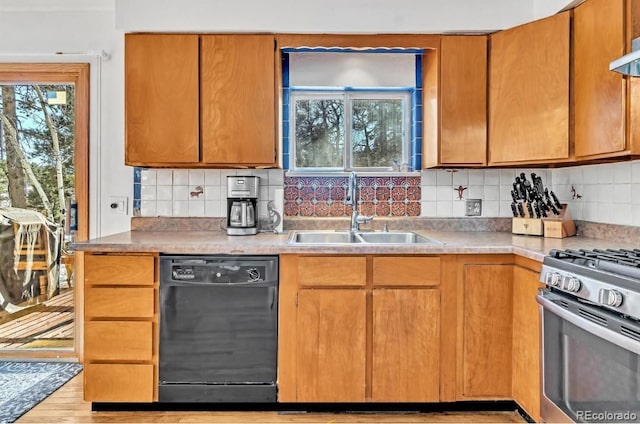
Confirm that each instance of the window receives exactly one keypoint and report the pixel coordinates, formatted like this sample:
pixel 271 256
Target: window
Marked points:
pixel 352 110
pixel 350 130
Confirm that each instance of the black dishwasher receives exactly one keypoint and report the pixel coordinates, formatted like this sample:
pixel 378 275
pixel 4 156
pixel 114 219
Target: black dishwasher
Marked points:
pixel 218 328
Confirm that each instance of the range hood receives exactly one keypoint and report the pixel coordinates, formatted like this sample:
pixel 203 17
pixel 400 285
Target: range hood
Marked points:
pixel 628 64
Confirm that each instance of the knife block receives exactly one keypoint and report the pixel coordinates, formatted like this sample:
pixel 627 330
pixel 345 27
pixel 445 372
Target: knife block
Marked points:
pixel 529 225
pixel 560 226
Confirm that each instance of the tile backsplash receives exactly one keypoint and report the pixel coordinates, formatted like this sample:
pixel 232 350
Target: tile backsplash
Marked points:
pixel 194 192
pixel 379 196
pixel 607 193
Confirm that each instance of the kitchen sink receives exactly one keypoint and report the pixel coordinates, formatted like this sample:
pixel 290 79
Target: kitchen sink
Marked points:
pixel 322 237
pixel 396 238
pixel 318 237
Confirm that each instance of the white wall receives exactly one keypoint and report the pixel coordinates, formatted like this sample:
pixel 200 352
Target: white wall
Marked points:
pixel 544 8
pixel 328 16
pixel 34 30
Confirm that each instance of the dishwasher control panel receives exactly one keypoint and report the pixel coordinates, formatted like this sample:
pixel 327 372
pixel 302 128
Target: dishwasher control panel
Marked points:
pixel 218 269
pixel 183 273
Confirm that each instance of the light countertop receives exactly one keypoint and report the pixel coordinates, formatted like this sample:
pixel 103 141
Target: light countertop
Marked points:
pixel 217 242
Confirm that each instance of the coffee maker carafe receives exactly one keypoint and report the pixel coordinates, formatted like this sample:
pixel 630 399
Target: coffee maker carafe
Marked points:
pixel 242 204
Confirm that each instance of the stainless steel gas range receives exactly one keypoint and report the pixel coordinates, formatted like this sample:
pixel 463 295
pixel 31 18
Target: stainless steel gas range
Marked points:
pixel 590 352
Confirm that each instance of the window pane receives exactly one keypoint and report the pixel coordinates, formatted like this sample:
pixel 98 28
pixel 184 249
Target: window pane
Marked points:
pixel 376 132
pixel 319 137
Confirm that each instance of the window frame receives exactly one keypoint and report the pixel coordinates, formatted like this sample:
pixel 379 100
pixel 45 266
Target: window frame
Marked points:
pixel 349 94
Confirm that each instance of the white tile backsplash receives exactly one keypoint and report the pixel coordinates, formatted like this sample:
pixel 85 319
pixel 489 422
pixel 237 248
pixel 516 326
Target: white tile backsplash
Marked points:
pixel 196 177
pixel 180 177
pixel 429 208
pixel 492 177
pixel 621 173
pixel 212 177
pixel 610 192
pixel 476 177
pixel 444 177
pixel 163 177
pixel 460 178
pixel 444 193
pixel 148 176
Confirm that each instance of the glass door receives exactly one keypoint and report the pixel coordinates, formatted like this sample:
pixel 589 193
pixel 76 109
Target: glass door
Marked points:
pixel 43 199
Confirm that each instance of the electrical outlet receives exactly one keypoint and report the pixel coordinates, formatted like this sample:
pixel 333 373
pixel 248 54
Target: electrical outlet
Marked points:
pixel 474 207
pixel 118 205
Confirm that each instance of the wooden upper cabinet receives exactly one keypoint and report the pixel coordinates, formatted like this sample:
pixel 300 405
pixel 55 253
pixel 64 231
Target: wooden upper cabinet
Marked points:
pixel 161 99
pixel 238 99
pixel 529 92
pixel 463 100
pixel 599 38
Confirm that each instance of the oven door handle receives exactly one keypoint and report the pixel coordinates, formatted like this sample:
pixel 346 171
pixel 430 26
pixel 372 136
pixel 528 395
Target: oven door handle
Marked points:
pixel 590 327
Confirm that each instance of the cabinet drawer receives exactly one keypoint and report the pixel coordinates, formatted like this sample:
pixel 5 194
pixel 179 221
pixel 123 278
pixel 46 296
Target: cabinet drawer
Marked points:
pixel 118 340
pixel 119 270
pixel 332 271
pixel 118 383
pixel 406 271
pixel 118 302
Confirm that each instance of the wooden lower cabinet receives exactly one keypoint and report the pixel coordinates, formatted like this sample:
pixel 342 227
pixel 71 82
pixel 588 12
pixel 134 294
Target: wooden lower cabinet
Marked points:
pixel 526 340
pixel 370 335
pixel 119 382
pixel 120 327
pixel 406 348
pixel 331 348
pixel 485 325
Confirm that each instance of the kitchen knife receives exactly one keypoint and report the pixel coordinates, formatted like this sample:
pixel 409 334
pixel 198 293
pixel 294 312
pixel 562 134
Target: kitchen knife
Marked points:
pixel 521 210
pixel 552 207
pixel 516 190
pixel 538 187
pixel 514 209
pixel 543 208
pixel 536 209
pixel 529 209
pixel 525 183
pixel 555 200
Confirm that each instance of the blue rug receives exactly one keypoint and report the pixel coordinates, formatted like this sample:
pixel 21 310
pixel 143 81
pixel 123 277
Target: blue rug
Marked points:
pixel 25 384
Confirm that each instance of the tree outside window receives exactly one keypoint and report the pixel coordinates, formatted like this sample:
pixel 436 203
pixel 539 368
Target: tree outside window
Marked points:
pixel 378 135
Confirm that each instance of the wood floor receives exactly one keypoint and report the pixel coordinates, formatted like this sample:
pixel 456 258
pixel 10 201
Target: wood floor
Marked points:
pixel 66 406
pixel 47 325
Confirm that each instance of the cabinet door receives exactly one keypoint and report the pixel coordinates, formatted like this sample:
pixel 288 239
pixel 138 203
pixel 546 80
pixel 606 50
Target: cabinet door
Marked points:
pixel 238 99
pixel 487 313
pixel 529 92
pixel 119 383
pixel 599 93
pixel 526 341
pixel 406 345
pixel 463 100
pixel 161 99
pixel 331 350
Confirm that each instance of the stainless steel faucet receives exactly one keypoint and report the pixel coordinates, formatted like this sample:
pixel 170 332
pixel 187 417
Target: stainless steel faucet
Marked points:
pixel 352 199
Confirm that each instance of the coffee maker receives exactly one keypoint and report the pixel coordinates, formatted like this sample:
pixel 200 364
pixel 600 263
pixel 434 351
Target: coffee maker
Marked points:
pixel 242 205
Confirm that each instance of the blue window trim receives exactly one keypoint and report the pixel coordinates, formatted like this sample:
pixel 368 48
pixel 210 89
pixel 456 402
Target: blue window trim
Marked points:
pixel 350 50
pixel 415 142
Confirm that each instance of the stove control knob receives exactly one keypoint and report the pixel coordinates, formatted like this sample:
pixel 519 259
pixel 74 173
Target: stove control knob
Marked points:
pixel 610 298
pixel 553 279
pixel 571 284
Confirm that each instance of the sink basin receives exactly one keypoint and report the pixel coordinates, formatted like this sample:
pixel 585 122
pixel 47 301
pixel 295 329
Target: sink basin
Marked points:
pixel 322 237
pixel 397 238
pixel 344 237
